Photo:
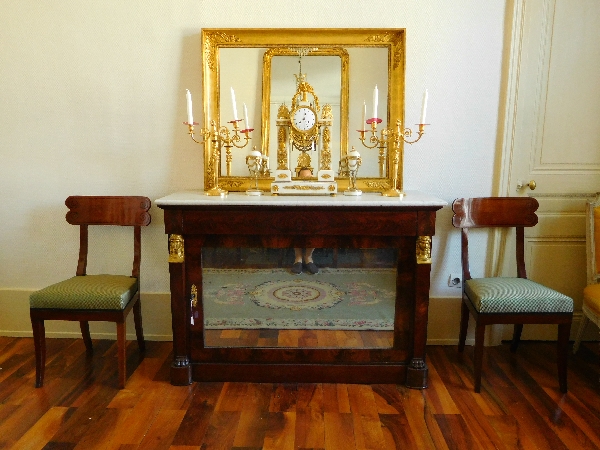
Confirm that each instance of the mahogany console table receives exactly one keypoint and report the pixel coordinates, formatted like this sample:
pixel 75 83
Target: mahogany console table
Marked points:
pixel 194 220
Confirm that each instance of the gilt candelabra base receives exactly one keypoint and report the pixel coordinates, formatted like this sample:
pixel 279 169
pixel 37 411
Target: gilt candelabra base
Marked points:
pixel 217 192
pixel 393 192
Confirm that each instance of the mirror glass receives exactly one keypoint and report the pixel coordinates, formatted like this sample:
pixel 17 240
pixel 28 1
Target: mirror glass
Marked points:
pixel 343 66
pixel 251 298
pixel 324 73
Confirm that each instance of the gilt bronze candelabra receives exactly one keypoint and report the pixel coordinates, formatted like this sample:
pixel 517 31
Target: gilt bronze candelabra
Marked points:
pixel 217 139
pixel 392 140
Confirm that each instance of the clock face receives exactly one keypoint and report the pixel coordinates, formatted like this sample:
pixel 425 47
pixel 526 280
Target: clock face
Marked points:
pixel 304 119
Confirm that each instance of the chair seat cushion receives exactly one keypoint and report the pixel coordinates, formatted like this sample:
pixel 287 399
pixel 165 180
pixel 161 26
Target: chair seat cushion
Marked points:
pixel 591 297
pixel 515 295
pixel 87 292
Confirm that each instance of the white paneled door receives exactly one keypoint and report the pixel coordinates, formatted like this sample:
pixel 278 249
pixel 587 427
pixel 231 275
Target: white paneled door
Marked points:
pixel 551 137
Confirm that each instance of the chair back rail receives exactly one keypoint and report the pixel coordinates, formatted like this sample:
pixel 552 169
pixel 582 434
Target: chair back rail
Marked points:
pixel 495 212
pixel 485 212
pixel 108 210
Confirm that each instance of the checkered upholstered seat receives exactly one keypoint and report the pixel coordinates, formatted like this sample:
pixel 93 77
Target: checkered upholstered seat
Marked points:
pixel 515 295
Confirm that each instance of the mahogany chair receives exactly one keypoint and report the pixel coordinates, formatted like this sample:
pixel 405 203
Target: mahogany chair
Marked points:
pixel 85 298
pixel 591 293
pixel 507 300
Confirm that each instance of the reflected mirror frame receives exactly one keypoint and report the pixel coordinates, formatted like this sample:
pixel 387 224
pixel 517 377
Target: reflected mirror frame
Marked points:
pixel 212 39
pixel 266 93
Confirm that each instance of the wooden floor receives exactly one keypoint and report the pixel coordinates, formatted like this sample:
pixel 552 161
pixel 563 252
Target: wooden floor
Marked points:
pixel 80 408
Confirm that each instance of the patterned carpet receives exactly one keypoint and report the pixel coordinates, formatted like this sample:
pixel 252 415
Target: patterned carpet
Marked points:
pixel 343 299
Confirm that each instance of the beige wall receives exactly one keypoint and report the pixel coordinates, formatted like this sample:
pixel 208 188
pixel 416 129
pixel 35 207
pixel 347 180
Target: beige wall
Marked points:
pixel 92 102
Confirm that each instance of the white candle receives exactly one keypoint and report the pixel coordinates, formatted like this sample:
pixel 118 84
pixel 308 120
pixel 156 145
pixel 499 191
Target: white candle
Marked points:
pixel 375 101
pixel 247 122
pixel 188 97
pixel 364 116
pixel 424 107
pixel 235 116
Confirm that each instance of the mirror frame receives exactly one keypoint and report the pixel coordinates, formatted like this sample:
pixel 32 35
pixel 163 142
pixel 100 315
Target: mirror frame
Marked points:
pixel 213 39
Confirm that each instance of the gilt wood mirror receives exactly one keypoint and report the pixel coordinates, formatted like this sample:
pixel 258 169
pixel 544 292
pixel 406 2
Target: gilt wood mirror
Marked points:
pixel 343 65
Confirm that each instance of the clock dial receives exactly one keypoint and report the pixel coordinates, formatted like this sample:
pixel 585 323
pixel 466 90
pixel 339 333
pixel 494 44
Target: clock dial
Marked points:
pixel 304 119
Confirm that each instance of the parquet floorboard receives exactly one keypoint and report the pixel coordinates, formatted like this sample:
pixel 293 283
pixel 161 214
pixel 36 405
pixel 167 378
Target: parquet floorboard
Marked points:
pixel 79 407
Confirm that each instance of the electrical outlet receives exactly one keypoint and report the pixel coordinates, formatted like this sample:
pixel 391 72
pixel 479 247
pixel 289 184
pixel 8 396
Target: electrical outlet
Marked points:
pixel 455 280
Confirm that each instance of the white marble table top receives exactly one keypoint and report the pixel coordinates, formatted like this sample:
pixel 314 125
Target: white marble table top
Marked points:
pixel 192 198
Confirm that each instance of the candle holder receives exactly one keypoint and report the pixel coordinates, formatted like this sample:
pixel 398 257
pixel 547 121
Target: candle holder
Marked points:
pixel 218 138
pixel 352 162
pixel 392 140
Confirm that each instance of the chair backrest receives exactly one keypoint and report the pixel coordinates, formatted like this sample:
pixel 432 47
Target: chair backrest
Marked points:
pixel 108 210
pixel 593 239
pixel 483 212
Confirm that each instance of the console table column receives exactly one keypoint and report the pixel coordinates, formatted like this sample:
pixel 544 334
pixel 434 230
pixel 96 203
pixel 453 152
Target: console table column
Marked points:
pixel 416 374
pixel 181 370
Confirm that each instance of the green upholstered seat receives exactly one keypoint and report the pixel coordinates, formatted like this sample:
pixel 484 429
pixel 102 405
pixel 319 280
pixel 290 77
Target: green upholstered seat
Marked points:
pixel 515 295
pixel 92 292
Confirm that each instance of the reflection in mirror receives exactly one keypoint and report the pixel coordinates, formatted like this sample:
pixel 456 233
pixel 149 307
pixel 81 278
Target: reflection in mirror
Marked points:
pixel 363 68
pixel 252 299
pixel 245 83
pixel 362 83
pixel 323 73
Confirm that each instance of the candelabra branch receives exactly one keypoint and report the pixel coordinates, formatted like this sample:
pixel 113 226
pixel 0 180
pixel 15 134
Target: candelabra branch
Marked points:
pixel 408 133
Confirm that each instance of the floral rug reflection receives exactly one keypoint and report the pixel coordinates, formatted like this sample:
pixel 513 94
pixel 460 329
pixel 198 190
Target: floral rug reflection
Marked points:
pixel 342 299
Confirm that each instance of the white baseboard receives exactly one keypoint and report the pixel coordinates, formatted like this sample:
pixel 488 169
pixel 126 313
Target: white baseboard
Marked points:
pixel 443 326
pixel 156 319
pixel 444 323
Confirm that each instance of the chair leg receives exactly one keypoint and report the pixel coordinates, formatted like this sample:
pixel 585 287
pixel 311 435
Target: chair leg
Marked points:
pixel 478 355
pixel 121 353
pixel 564 330
pixel 139 330
pixel 516 337
pixel 584 321
pixel 464 325
pixel 39 342
pixel 87 339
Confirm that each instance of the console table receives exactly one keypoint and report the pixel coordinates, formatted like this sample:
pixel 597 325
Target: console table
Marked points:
pixel 194 220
